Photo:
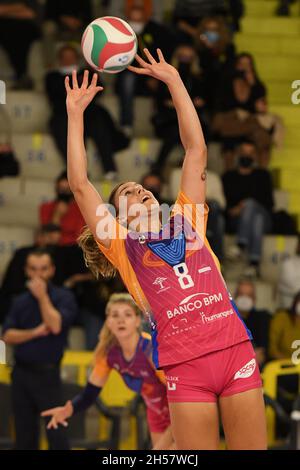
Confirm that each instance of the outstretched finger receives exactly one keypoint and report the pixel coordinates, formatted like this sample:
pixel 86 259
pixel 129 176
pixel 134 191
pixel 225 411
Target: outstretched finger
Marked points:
pixel 65 423
pixel 74 80
pixel 160 55
pixel 94 81
pixel 52 424
pixel 48 412
pixel 138 70
pixel 149 56
pixel 85 80
pixel 67 84
pixel 141 61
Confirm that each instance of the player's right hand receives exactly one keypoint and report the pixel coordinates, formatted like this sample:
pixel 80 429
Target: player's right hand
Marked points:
pixel 58 415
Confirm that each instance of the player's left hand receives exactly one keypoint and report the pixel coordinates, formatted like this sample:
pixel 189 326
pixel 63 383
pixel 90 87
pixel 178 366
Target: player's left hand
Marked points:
pixel 160 70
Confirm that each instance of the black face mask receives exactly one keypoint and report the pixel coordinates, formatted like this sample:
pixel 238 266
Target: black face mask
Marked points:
pixel 64 196
pixel 184 68
pixel 245 161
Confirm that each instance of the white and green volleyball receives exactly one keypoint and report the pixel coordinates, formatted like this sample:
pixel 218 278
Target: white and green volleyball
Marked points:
pixel 109 44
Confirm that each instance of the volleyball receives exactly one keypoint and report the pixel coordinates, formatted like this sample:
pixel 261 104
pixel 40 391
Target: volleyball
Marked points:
pixel 109 44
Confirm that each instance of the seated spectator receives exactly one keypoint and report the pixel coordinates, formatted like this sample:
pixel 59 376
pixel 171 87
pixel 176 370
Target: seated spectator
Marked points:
pixel 216 221
pixel 284 330
pixel 257 321
pixel 63 211
pixel 14 279
pixel 153 8
pixel 289 279
pixel 188 13
pixel 9 165
pixel 235 105
pixel 98 123
pixel 165 120
pixel 152 35
pixel 18 30
pixel 249 197
pixel 64 21
pixel 216 51
pixel 37 325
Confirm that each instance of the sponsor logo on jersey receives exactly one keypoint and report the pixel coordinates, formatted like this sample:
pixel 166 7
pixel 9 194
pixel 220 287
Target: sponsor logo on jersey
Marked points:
pixel 159 281
pixel 190 303
pixel 246 371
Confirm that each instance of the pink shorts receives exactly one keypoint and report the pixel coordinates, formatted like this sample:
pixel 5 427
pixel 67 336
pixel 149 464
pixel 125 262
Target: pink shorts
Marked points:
pixel 158 420
pixel 218 374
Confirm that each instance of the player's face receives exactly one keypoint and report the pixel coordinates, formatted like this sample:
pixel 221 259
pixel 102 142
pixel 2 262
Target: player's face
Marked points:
pixel 135 194
pixel 122 320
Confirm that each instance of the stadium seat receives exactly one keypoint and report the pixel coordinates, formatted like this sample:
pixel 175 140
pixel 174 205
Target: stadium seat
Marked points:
pixel 271 26
pixel 36 65
pixel 11 238
pixel 135 161
pixel 276 248
pixel 76 340
pixel 281 200
pixel 38 156
pixel 143 110
pixel 28 110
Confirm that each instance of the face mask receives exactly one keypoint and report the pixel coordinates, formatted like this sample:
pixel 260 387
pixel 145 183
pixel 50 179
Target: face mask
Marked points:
pixel 244 303
pixel 245 161
pixel 137 26
pixel 184 68
pixel 64 196
pixel 68 69
pixel 297 309
pixel 212 36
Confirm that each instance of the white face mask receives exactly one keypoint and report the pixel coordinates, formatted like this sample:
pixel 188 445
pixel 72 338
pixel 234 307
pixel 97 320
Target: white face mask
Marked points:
pixel 297 309
pixel 68 69
pixel 244 303
pixel 137 26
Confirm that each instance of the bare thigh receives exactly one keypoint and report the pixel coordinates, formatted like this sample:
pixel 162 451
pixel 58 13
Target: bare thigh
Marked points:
pixel 244 420
pixel 195 425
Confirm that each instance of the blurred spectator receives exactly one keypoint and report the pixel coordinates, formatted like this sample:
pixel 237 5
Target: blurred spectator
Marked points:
pixel 63 211
pixel 216 221
pixel 283 8
pixel 216 51
pixel 151 35
pixel 289 279
pixel 237 100
pixel 285 329
pixel 249 196
pixel 258 321
pixel 153 8
pixel 18 30
pixel 153 182
pixel 188 13
pixel 242 86
pixel 37 324
pixel 64 20
pixel 14 278
pixel 165 120
pixel 9 165
pixel 98 123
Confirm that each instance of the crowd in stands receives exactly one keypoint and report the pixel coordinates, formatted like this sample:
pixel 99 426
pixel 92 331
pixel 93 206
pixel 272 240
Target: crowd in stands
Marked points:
pixel 197 37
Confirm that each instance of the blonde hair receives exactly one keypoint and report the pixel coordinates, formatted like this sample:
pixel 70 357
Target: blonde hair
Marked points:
pixel 106 337
pixel 94 259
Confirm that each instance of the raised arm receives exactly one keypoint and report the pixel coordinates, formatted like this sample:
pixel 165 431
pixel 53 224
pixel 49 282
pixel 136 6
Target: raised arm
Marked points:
pixel 86 196
pixel 193 171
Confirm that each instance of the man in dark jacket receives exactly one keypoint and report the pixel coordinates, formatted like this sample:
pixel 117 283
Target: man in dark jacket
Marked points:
pixel 249 196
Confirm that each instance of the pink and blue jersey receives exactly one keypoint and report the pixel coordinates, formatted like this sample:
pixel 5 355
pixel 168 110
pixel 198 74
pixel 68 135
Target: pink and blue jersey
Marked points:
pixel 176 280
